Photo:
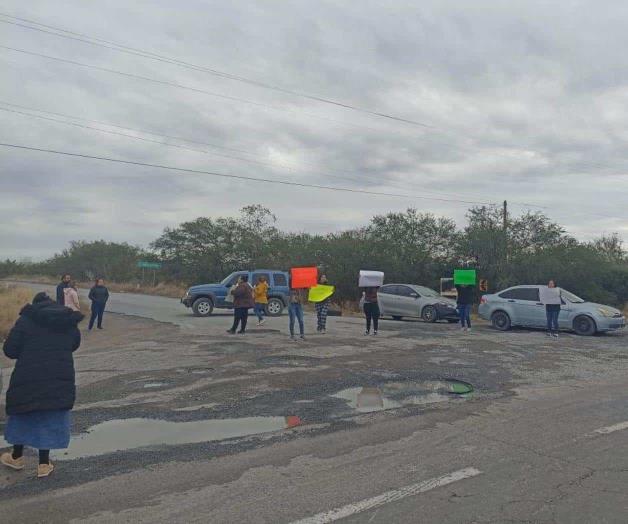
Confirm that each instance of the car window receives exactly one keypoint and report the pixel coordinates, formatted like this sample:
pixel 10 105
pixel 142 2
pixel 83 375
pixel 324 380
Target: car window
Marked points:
pixel 574 299
pixel 522 293
pixel 427 292
pixel 405 291
pixel 280 279
pixel 388 290
pixel 229 281
pixel 256 276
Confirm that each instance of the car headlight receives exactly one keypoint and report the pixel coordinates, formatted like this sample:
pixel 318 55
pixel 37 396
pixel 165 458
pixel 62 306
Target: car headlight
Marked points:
pixel 605 312
pixel 445 304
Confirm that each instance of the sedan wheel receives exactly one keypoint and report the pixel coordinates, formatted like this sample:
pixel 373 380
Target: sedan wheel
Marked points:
pixel 584 325
pixel 500 320
pixel 429 314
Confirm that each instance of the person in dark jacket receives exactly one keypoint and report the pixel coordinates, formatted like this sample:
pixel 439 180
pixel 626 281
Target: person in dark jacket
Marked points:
pixel 65 282
pixel 465 301
pixel 42 388
pixel 242 302
pixel 99 295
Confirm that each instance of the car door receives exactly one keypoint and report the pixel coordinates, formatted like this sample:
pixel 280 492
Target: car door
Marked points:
pixel 525 305
pixel 386 298
pixel 408 301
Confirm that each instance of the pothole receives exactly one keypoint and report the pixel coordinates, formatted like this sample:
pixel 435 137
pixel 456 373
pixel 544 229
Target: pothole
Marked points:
pixel 393 395
pixel 289 361
pixel 135 433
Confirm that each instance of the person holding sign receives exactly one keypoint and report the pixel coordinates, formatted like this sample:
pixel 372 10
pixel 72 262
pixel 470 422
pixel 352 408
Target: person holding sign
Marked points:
pixel 370 282
pixel 464 280
pixel 550 297
pixel 295 312
pixel 322 306
pixel 242 302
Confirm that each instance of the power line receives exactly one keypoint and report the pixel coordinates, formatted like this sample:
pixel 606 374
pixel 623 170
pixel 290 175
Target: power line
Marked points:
pixel 181 86
pixel 237 177
pixel 270 164
pixel 81 37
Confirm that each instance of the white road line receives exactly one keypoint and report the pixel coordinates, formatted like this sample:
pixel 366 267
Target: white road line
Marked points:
pixel 389 496
pixel 611 429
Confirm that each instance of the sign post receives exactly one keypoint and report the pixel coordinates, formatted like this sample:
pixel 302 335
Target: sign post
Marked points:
pixel 149 265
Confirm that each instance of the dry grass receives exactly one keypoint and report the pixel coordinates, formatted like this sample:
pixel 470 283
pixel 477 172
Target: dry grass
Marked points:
pixel 12 299
pixel 171 290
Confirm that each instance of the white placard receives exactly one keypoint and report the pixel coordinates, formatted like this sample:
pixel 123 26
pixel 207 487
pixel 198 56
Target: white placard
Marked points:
pixel 371 278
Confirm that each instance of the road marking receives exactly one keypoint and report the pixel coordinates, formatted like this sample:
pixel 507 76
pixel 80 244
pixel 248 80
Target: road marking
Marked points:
pixel 388 497
pixel 611 429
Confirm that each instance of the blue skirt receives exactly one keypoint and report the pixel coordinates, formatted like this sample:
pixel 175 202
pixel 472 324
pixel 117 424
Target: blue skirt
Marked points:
pixel 39 429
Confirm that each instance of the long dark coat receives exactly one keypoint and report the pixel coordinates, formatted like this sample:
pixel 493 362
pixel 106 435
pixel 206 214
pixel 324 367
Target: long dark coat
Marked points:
pixel 42 342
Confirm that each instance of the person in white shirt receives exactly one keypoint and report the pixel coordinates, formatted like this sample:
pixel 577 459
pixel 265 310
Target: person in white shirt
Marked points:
pixel 550 296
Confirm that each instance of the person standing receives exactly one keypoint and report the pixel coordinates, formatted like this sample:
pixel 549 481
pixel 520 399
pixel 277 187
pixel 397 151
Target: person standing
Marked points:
pixel 295 311
pixel 42 389
pixel 550 297
pixel 322 308
pixel 71 297
pixel 464 302
pixel 242 302
pixel 65 280
pixel 371 309
pixel 99 295
pixel 260 293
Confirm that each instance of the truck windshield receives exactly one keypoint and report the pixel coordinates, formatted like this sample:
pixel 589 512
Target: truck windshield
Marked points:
pixel 230 279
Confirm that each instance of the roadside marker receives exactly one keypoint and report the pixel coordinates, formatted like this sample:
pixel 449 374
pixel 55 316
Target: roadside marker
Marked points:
pixel 611 429
pixel 388 497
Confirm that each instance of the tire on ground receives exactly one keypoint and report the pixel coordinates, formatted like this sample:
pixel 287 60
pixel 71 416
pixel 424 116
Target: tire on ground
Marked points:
pixel 584 325
pixel 500 320
pixel 397 317
pixel 203 307
pixel 429 314
pixel 274 308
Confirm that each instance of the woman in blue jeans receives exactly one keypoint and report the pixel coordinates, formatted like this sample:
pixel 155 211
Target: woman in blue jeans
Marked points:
pixel 550 297
pixel 295 311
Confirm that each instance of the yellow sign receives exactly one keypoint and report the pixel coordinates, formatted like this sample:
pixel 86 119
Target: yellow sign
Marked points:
pixel 320 293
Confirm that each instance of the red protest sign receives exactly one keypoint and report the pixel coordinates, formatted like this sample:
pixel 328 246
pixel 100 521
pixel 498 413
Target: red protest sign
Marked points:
pixel 303 277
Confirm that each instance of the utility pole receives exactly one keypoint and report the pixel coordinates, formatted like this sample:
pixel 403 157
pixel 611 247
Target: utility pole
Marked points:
pixel 505 216
pixel 505 228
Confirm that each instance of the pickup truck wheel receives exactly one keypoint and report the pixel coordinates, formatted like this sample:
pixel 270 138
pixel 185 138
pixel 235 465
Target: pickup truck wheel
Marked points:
pixel 584 325
pixel 429 314
pixel 203 307
pixel 274 308
pixel 500 320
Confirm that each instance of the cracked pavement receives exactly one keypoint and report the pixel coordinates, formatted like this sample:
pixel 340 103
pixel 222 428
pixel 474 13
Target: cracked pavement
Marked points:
pixel 528 427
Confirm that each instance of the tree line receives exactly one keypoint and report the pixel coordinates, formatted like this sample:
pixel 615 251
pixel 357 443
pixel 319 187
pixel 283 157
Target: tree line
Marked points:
pixel 408 246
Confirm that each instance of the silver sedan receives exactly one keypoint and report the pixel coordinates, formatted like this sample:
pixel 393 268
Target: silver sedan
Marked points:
pixel 521 306
pixel 410 300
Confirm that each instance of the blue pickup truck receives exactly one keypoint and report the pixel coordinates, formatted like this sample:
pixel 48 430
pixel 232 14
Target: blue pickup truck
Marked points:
pixel 205 297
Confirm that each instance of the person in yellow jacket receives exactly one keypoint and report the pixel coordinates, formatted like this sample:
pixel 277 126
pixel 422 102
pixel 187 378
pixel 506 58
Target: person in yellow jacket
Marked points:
pixel 260 294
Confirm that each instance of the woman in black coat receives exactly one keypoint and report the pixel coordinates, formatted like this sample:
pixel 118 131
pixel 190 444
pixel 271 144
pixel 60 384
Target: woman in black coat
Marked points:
pixel 42 389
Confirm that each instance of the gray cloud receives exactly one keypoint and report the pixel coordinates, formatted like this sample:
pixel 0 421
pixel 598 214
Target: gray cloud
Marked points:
pixel 526 102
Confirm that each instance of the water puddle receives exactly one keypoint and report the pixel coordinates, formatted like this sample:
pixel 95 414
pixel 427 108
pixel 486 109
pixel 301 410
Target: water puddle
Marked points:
pixel 150 385
pixel 401 394
pixel 136 433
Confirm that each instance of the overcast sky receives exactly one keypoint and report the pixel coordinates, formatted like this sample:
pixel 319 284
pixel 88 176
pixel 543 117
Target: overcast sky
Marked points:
pixel 527 103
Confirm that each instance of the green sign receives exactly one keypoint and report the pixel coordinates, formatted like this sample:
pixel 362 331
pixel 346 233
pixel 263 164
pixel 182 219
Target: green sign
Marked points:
pixel 464 277
pixel 149 265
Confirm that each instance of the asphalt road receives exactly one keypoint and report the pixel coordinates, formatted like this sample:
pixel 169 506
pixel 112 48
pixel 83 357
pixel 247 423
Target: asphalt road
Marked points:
pixel 216 428
pixel 162 309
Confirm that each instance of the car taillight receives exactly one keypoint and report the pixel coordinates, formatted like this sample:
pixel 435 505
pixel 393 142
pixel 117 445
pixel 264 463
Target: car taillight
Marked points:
pixel 483 300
